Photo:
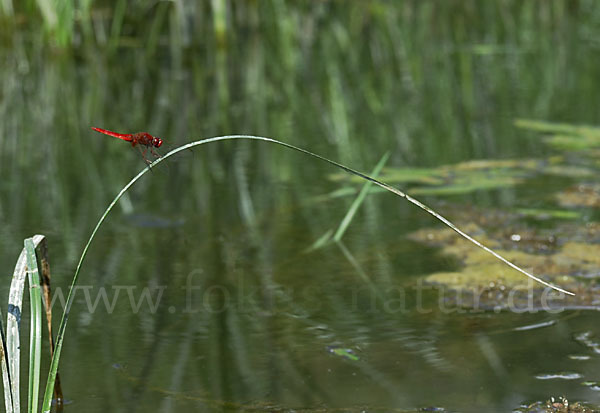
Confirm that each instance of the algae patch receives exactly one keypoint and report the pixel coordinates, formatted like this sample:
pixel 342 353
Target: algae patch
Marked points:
pixel 483 281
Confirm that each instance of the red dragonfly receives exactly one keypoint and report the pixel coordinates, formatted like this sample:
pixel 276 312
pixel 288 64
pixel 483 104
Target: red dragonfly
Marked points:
pixel 141 138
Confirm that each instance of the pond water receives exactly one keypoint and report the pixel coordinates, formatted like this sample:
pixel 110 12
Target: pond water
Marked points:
pixel 212 287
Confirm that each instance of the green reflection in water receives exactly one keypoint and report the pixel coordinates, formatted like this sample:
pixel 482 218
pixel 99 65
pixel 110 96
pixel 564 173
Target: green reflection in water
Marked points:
pixel 434 83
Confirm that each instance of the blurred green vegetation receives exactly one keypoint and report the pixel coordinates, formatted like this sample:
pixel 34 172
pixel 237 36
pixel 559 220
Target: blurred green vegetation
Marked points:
pixel 432 82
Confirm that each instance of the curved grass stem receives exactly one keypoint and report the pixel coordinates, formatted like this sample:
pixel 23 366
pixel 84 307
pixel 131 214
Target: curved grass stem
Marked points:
pixel 63 324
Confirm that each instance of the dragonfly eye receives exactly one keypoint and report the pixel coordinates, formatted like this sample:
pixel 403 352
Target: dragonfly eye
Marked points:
pixel 157 142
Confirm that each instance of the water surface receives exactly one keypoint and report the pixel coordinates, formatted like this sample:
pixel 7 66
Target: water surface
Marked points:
pixel 202 292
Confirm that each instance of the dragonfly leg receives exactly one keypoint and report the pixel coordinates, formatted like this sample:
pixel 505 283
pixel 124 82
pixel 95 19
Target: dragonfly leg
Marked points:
pixel 154 153
pixel 143 151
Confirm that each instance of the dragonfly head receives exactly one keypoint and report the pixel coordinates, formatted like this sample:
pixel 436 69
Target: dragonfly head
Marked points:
pixel 156 142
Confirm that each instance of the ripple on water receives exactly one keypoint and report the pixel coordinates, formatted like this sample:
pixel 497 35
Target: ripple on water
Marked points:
pixel 559 376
